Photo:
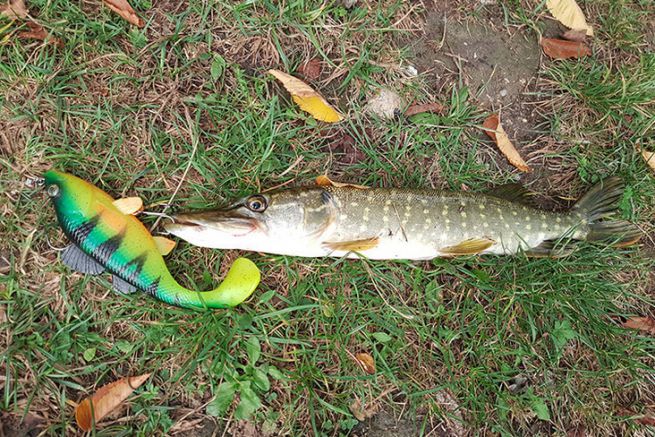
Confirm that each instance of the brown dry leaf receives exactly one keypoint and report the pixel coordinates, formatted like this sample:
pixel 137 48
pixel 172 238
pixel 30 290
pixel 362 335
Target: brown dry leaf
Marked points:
pixel 308 99
pixel 14 10
pixel 495 130
pixel 434 107
pixel 366 362
pixel 129 205
pixel 123 8
pixel 564 49
pixel 310 70
pixel 103 401
pixel 36 31
pixel 324 181
pixel 569 14
pixel 643 324
pixel 575 35
pixel 646 420
pixel 649 157
pixel 362 413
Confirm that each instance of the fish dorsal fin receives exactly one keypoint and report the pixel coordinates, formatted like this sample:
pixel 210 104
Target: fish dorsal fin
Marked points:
pixel 79 261
pixel 352 246
pixel 468 247
pixel 164 245
pixel 122 286
pixel 129 205
pixel 514 192
pixel 324 181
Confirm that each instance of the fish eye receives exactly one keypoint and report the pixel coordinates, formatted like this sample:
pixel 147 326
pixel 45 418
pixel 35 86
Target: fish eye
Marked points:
pixel 256 203
pixel 53 190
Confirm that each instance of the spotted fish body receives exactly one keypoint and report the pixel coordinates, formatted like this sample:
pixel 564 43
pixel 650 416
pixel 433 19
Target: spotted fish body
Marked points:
pixel 122 245
pixel 388 223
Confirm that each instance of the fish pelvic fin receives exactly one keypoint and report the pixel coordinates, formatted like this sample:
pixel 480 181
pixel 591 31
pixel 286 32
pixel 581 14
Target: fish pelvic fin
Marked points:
pixel 352 246
pixel 599 204
pixel 468 247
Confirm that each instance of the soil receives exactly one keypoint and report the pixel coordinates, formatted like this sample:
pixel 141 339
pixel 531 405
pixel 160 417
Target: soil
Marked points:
pixel 499 66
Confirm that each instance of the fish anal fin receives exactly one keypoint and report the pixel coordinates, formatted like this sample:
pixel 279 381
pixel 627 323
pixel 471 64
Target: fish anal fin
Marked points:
pixel 324 181
pixel 122 286
pixel 552 249
pixel 79 261
pixel 352 246
pixel 129 205
pixel 514 192
pixel 164 245
pixel 468 247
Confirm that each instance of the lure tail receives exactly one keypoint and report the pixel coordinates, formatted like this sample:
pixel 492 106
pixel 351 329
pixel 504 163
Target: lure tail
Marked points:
pixel 600 203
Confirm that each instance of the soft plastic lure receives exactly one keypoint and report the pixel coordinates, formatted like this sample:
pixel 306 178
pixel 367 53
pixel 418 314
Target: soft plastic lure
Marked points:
pixel 104 237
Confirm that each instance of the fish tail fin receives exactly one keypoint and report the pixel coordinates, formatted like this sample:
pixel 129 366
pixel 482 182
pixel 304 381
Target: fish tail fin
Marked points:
pixel 239 283
pixel 600 203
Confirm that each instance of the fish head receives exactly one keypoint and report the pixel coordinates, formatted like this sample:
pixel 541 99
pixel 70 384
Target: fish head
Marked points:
pixel 67 192
pixel 260 222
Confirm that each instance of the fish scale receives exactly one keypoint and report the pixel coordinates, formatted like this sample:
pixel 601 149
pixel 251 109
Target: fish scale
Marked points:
pixel 393 223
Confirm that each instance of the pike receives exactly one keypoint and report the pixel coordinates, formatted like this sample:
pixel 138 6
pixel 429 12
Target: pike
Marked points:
pixel 334 219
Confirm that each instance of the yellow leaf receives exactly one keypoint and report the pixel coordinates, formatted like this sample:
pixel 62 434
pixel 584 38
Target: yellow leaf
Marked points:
pixel 366 362
pixel 649 157
pixel 308 99
pixel 129 205
pixel 495 130
pixel 164 245
pixel 569 14
pixel 92 409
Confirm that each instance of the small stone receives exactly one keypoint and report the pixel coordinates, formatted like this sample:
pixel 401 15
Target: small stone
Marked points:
pixel 349 3
pixel 386 104
pixel 503 92
pixel 410 71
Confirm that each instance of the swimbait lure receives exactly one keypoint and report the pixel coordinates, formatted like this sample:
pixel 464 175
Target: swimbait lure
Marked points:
pixel 389 223
pixel 105 238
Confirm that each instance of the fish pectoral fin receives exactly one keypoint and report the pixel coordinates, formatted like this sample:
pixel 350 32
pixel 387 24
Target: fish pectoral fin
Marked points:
pixel 352 246
pixel 514 193
pixel 122 286
pixel 468 247
pixel 129 205
pixel 324 181
pixel 552 249
pixel 79 261
pixel 164 245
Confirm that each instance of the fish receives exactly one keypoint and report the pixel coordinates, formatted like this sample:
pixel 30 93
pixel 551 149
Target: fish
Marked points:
pixel 344 220
pixel 105 238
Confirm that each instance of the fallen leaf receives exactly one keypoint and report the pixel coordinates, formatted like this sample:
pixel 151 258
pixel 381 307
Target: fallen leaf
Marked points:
pixel 649 157
pixel 575 35
pixel 434 107
pixel 347 149
pixel 569 14
pixel 310 70
pixel 14 10
pixel 385 104
pixel 643 324
pixel 308 99
pixel 564 49
pixel 366 362
pixel 495 130
pixel 92 409
pixel 129 205
pixel 362 413
pixel 123 8
pixel 324 181
pixel 646 420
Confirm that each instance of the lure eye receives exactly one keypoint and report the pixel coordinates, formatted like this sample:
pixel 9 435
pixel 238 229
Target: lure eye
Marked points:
pixel 53 190
pixel 256 203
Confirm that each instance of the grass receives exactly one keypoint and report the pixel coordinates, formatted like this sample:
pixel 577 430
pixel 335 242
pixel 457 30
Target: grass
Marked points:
pixel 504 345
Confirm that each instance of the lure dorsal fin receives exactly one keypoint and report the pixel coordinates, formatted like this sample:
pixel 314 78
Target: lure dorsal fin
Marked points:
pixel 514 192
pixel 122 286
pixel 352 246
pixel 324 181
pixel 129 205
pixel 164 245
pixel 468 247
pixel 79 261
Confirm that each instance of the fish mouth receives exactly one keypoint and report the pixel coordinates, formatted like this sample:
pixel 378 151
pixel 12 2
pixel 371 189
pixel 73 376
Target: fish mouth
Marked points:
pixel 228 222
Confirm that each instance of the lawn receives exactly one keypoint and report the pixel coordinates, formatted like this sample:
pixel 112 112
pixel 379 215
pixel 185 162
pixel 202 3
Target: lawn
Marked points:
pixel 466 346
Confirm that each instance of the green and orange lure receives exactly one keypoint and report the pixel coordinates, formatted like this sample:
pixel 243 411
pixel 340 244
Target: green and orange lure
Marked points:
pixel 105 238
